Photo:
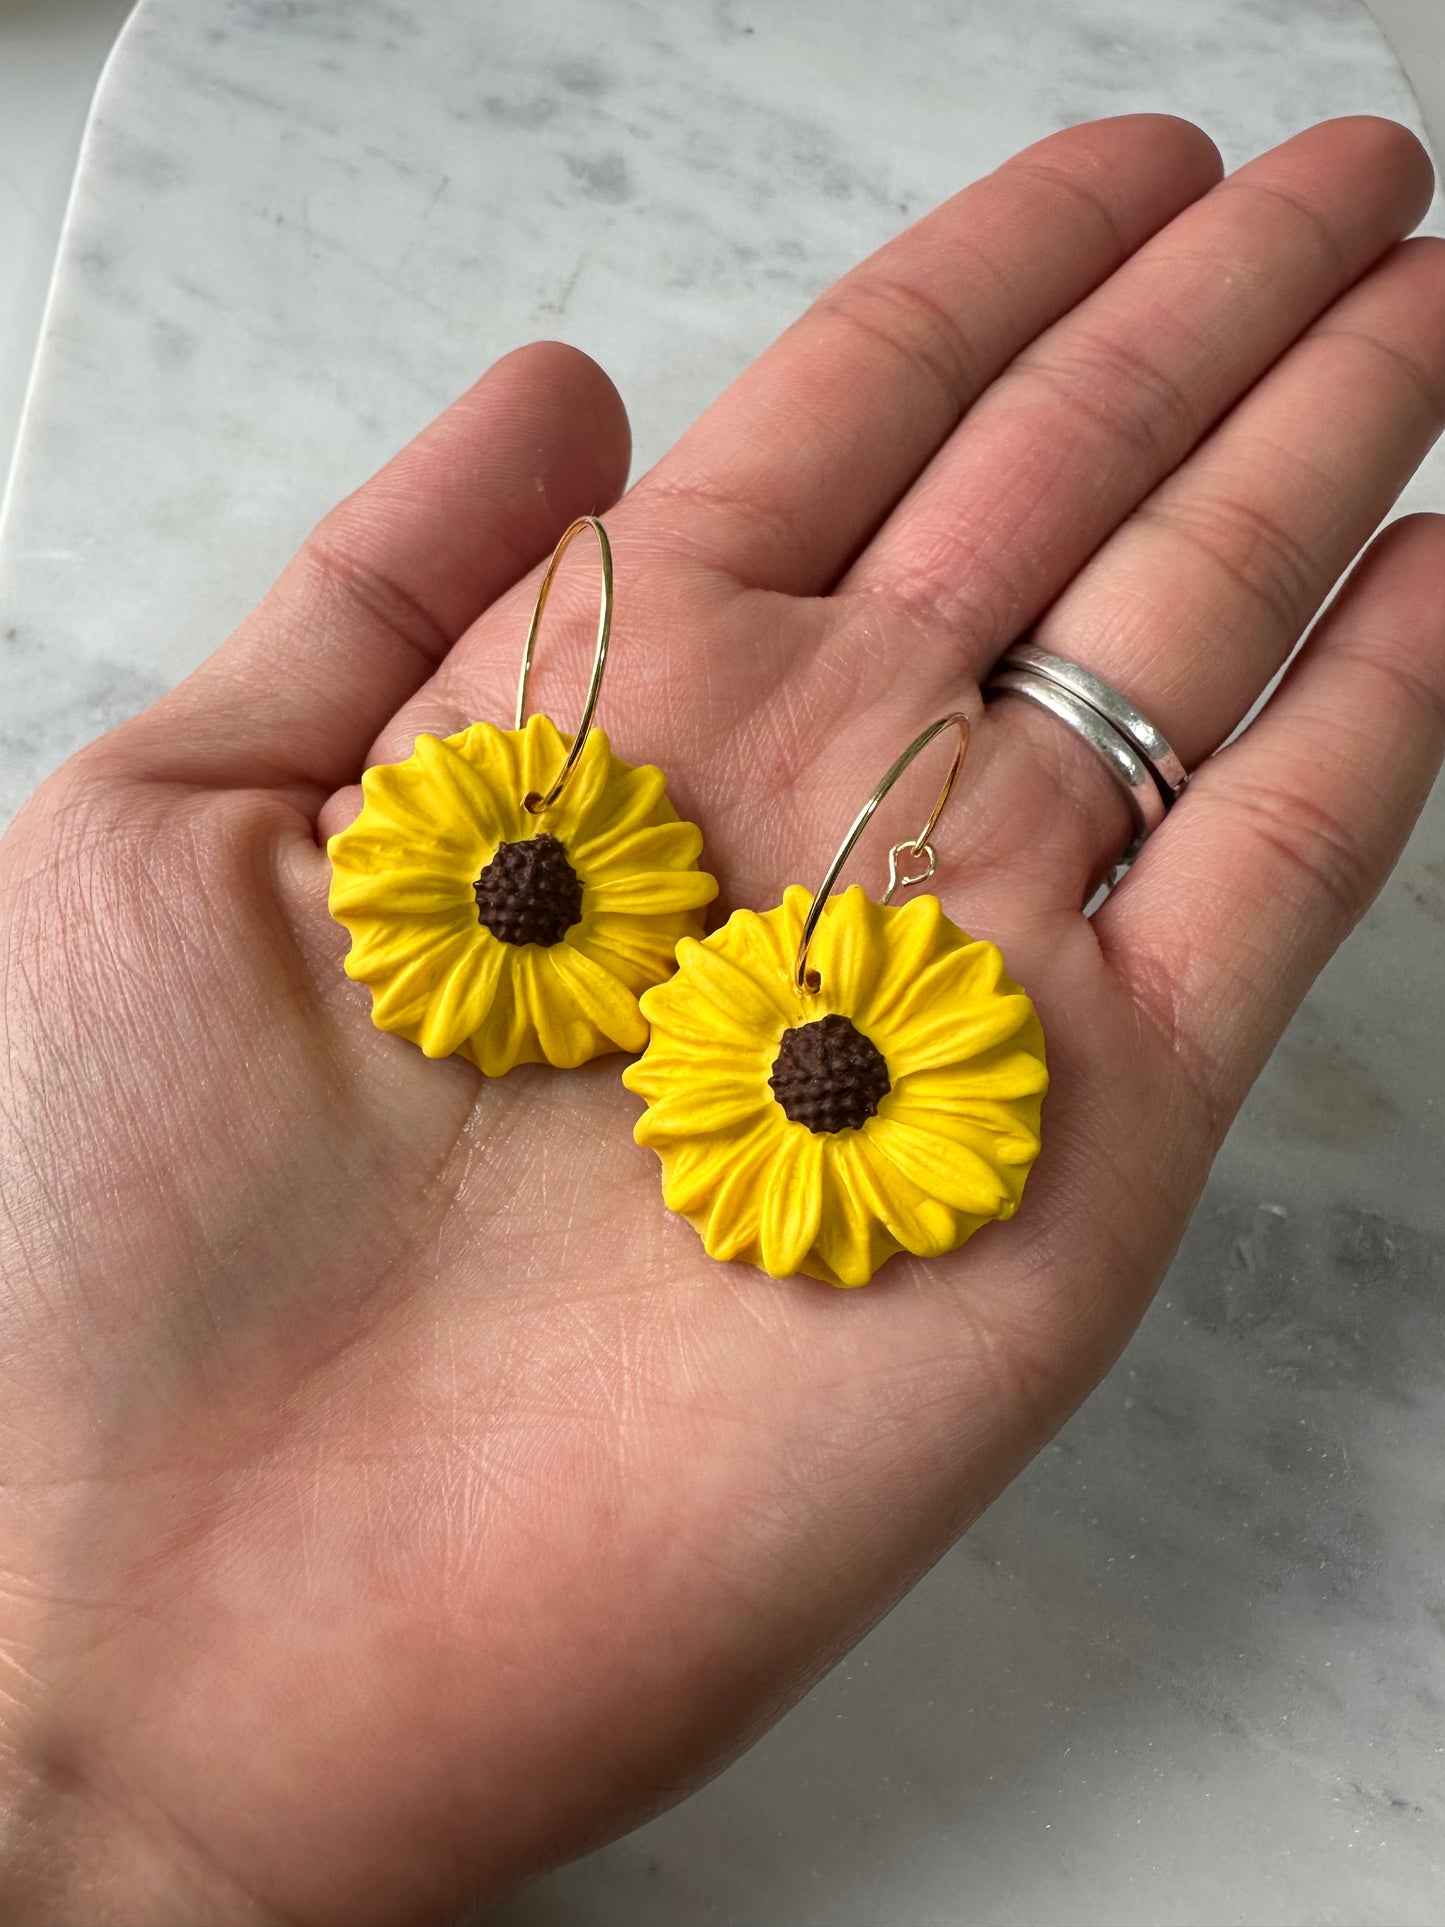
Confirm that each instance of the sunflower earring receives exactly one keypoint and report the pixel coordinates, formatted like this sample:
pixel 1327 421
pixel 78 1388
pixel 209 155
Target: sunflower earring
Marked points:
pixel 836 1080
pixel 511 892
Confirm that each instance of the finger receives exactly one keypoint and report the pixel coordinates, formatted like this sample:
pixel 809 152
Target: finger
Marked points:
pixel 1285 836
pixel 1198 599
pixel 388 580
pixel 1100 409
pixel 792 468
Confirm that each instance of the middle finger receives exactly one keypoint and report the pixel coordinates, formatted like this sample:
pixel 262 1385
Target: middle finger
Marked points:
pixel 1087 421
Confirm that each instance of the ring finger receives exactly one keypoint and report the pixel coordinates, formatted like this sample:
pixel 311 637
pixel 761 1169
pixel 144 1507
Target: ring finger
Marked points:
pixel 1196 601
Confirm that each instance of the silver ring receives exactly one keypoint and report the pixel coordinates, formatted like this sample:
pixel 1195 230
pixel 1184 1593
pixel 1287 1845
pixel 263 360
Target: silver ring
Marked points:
pixel 1132 724
pixel 1118 755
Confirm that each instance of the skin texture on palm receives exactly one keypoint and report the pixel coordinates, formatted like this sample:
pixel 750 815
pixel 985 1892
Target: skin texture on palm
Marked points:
pixel 395 1499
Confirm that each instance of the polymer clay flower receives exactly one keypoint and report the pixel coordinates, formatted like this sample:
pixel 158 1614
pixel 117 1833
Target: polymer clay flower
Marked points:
pixel 508 937
pixel 895 1109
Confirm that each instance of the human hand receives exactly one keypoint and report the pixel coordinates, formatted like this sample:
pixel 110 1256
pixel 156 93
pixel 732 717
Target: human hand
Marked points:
pixel 396 1500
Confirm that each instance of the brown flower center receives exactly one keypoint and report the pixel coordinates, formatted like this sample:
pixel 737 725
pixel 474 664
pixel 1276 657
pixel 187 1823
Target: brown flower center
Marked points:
pixel 829 1076
pixel 529 892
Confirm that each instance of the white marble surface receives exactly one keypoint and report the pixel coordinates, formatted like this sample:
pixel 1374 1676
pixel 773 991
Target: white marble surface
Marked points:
pixel 51 52
pixel 1192 1667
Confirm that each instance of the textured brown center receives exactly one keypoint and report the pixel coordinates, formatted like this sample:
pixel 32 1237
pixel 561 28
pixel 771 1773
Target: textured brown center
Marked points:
pixel 529 892
pixel 829 1076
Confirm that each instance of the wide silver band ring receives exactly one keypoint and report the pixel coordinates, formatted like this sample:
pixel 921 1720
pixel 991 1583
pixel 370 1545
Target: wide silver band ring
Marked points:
pixel 1120 757
pixel 1132 724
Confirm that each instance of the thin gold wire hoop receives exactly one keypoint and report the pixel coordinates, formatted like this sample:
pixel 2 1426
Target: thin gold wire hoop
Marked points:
pixel 532 801
pixel 920 846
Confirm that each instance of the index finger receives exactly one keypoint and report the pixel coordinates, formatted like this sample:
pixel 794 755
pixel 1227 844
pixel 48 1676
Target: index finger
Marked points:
pixel 386 582
pixel 781 481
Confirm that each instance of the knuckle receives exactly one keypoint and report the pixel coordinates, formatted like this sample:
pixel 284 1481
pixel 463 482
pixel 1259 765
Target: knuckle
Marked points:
pixel 700 514
pixel 334 570
pixel 1255 554
pixel 1072 184
pixel 910 325
pixel 1115 390
pixel 1302 215
pixel 1416 694
pixel 1308 839
pixel 1424 383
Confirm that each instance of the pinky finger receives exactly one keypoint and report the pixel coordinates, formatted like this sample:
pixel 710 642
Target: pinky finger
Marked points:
pixel 1284 837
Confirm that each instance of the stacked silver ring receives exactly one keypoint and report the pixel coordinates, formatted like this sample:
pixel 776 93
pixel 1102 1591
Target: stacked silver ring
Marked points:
pixel 1136 754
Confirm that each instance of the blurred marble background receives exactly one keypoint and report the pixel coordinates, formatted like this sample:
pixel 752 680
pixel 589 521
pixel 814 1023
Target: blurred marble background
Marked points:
pixel 1192 1667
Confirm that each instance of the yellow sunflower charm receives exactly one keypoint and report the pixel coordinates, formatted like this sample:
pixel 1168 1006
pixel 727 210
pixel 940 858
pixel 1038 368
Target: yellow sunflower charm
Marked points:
pixel 510 893
pixel 835 1080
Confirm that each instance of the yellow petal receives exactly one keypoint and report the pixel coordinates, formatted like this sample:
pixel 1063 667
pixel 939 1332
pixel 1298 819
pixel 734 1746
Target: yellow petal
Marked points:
pixel 941 1167
pixel 634 800
pixel 593 792
pixel 917 1222
pixel 376 847
pixel 382 946
pixel 716 1107
pixel 650 893
pixel 730 1211
pixel 768 940
pixel 504 1040
pixel 460 1002
pixel 849 950
pixel 789 918
pixel 640 950
pixel 661 846
pixel 902 993
pixel 969 973
pixel 718 969
pixel 850 1244
pixel 492 756
pixel 696 1172
pixel 606 1002
pixel 1005 1074
pixel 467 794
pixel 398 893
pixel 540 754
pixel 680 1014
pixel 792 1202
pixel 670 1067
pixel 564 1036
pixel 1007 1132
pixel 952 1034
pixel 402 993
pixel 403 801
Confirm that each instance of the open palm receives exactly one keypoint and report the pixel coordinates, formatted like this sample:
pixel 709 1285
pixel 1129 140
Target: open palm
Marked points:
pixel 396 1498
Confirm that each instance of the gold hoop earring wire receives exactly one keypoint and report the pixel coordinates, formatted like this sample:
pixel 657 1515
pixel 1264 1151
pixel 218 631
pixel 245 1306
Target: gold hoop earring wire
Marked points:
pixel 920 846
pixel 532 801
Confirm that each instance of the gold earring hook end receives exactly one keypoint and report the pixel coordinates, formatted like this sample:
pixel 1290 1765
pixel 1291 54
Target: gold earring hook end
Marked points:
pixel 920 846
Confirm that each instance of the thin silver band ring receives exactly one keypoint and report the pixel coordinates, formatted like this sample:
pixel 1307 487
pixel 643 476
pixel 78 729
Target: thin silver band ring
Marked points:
pixel 1132 724
pixel 1119 756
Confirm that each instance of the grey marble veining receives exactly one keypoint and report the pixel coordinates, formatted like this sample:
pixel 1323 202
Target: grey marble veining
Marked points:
pixel 1192 1667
